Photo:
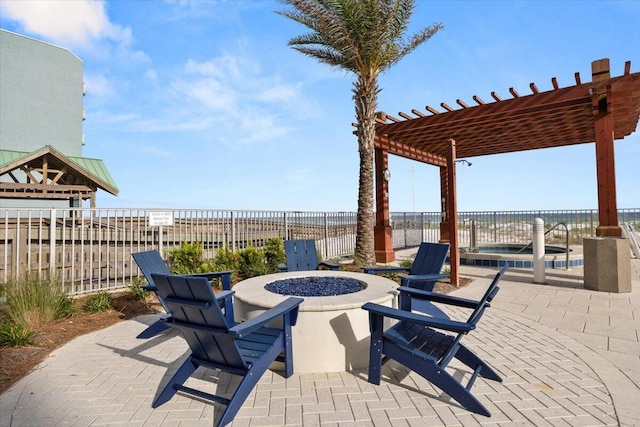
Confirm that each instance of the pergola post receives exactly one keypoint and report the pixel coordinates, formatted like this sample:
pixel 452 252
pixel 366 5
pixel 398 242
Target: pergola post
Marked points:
pixel 607 266
pixel 605 166
pixel 452 214
pixel 382 232
pixel 444 203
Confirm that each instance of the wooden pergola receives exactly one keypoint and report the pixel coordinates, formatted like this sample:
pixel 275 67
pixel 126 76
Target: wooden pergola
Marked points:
pixel 601 111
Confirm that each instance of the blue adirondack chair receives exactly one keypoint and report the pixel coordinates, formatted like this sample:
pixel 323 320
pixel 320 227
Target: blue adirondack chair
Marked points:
pixel 425 270
pixel 427 344
pixel 151 262
pixel 302 255
pixel 245 349
pixel 423 273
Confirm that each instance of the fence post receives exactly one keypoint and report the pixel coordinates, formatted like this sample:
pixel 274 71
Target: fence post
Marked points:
pixel 233 232
pixel 52 243
pixel 326 236
pixel 404 227
pixel 286 226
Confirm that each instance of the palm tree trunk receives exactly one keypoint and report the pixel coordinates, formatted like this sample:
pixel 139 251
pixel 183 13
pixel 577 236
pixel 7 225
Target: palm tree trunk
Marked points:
pixel 366 101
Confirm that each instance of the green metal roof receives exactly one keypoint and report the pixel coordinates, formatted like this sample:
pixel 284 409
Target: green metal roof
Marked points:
pixel 94 168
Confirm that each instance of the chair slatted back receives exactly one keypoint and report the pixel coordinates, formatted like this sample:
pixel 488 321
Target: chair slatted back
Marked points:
pixel 197 312
pixel 429 259
pixel 150 262
pixel 475 316
pixel 301 255
pixel 488 296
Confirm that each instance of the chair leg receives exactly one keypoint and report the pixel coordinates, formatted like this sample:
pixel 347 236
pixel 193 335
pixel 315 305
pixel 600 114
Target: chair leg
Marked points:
pixel 179 378
pixel 375 350
pixel 288 346
pixel 248 382
pixel 470 359
pixel 447 383
pixel 153 330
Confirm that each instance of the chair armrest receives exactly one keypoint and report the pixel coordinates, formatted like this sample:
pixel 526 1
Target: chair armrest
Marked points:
pixel 289 305
pixel 224 295
pixel 211 275
pixel 330 265
pixel 379 270
pixel 224 276
pixel 436 297
pixel 150 288
pixel 438 323
pixel 424 277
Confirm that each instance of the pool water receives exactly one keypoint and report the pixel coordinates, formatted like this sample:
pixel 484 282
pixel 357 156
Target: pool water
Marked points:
pixel 518 249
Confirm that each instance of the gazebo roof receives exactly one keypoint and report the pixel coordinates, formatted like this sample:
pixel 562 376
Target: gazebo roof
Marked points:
pixel 46 173
pixel 559 117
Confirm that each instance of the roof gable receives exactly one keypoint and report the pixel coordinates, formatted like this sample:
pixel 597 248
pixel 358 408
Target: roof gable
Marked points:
pixel 81 169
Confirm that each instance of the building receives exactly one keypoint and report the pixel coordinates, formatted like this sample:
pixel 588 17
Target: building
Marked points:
pixel 41 134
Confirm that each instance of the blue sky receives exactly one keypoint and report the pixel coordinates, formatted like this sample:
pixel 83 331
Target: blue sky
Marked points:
pixel 196 104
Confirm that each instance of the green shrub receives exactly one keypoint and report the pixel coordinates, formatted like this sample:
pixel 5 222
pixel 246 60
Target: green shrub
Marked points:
pixel 98 302
pixel 407 262
pixel 447 270
pixel 252 262
pixel 274 254
pixel 136 288
pixel 391 276
pixel 188 258
pixel 16 334
pixel 226 259
pixel 35 299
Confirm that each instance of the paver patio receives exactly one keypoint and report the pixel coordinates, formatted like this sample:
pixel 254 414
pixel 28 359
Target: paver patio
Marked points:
pixel 568 356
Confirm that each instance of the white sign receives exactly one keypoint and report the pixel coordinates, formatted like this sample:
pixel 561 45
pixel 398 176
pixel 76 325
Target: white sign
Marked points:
pixel 158 219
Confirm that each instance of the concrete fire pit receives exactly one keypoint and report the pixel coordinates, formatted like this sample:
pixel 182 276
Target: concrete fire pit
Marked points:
pixel 332 333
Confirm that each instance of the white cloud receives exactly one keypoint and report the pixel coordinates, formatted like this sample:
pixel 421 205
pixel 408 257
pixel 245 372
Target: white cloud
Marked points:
pixel 213 94
pixel 98 85
pixel 260 127
pixel 279 93
pixel 151 75
pixel 70 23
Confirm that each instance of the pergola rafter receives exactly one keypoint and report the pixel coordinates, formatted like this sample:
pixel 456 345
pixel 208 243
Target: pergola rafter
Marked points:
pixel 598 111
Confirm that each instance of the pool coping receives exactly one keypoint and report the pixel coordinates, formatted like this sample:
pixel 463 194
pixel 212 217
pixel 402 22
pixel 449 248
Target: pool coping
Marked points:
pixel 552 261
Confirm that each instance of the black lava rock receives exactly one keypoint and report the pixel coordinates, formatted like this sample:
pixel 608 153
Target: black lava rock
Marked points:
pixel 315 286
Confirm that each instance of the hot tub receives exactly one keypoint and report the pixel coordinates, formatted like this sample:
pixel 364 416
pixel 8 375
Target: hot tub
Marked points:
pixel 518 255
pixel 332 332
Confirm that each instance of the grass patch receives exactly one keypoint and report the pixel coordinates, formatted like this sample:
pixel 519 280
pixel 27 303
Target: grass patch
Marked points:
pixel 16 334
pixel 102 301
pixel 137 289
pixel 33 300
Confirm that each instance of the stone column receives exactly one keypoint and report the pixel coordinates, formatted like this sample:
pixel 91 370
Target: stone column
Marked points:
pixel 607 264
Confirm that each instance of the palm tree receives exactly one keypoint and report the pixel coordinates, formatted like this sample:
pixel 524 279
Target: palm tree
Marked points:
pixel 365 37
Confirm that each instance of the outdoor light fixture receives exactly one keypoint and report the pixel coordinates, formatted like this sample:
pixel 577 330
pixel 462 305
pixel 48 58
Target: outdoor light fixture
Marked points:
pixel 386 174
pixel 464 161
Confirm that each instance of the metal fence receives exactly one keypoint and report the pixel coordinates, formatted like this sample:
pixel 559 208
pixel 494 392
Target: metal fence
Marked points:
pixel 90 249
